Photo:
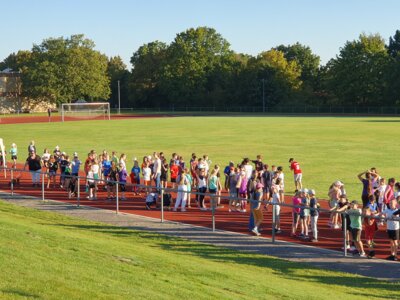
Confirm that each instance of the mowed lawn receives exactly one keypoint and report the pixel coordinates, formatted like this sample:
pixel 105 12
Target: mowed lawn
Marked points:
pixel 44 255
pixel 327 148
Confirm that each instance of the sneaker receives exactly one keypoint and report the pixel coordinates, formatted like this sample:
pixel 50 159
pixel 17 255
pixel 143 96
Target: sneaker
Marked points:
pixel 347 247
pixel 395 258
pixel 336 226
pixel 277 231
pixel 243 210
pixel 301 235
pixel 390 257
pixel 314 240
pixel 203 208
pixel 183 210
pixel 352 248
pixel 363 254
pixel 255 231
pixel 174 209
pixel 147 207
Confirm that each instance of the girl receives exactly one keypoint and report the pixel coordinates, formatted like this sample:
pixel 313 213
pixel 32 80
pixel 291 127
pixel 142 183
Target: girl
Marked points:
pixel 91 185
pixel 296 201
pixel 147 177
pixel 304 213
pixel 370 227
pixel 52 169
pixel 276 201
pixel 334 195
pixel 389 192
pixel 135 177
pixel 164 173
pixel 112 178
pixel 281 178
pixel 257 208
pixel 122 175
pixel 233 190
pixel 14 153
pixel 213 187
pixel 122 161
pixel 381 193
pixel 201 188
pixel 189 181
pixel 242 186
pixel 356 226
pixel 182 194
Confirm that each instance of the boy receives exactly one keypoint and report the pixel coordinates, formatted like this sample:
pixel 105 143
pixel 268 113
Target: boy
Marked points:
pixel 297 173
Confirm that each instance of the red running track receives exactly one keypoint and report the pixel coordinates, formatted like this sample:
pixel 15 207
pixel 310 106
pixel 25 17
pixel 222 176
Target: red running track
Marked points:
pixel 234 221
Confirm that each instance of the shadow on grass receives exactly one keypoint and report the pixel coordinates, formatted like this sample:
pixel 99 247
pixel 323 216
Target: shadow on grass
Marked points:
pixel 286 269
pixel 19 293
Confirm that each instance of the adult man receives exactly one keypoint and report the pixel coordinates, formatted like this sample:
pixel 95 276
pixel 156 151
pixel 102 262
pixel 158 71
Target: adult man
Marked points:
pixel 295 167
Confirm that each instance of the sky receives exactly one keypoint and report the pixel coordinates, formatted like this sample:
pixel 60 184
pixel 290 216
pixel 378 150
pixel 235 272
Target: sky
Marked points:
pixel 120 27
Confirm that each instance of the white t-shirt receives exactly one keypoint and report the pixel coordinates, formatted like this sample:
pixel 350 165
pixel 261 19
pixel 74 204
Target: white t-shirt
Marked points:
pixel 46 156
pixel 381 190
pixel 157 166
pixel 248 169
pixel 95 168
pixel 390 224
pixel 146 173
pixel 282 178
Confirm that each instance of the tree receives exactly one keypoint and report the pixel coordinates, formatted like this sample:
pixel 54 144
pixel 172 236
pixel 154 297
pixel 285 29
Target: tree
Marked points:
pixel 305 59
pixel 394 44
pixel 357 75
pixel 61 70
pixel 147 70
pixel 117 72
pixel 195 60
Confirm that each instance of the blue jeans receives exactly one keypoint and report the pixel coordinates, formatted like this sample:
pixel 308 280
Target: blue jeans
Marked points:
pixel 158 182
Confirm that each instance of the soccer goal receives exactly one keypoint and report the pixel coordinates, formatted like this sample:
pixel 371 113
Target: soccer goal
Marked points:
pixel 93 110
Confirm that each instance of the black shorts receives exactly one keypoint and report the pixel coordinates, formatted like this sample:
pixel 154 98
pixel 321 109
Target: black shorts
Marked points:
pixel 393 234
pixel 123 188
pixel 347 220
pixel 163 177
pixel 14 157
pixel 92 185
pixel 212 191
pixel 173 179
pixel 356 234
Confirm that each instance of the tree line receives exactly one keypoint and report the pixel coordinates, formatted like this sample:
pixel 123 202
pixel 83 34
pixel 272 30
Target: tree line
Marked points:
pixel 198 68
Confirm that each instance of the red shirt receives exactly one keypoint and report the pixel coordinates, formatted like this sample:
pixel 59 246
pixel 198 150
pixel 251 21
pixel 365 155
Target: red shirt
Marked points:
pixel 174 171
pixel 295 167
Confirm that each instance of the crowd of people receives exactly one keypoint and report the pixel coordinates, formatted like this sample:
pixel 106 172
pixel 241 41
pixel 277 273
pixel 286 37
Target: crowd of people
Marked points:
pixel 251 182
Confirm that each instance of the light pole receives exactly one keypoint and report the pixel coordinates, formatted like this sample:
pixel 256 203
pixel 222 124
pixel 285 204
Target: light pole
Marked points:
pixel 263 94
pixel 119 99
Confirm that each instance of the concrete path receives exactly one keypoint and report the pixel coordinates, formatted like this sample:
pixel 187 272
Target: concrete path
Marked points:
pixel 317 257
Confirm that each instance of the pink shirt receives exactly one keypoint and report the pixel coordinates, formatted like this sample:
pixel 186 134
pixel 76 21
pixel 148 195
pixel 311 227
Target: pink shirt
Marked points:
pixel 296 201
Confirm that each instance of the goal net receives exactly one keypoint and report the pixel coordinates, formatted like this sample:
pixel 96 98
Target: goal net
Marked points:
pixel 93 110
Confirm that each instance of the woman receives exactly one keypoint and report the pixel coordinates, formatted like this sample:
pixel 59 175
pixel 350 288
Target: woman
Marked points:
pixel 367 186
pixel 182 194
pixel 164 173
pixel 34 164
pixel 257 208
pixel 201 188
pixel 334 195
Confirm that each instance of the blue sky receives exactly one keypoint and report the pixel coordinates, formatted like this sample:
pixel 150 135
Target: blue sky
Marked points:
pixel 119 27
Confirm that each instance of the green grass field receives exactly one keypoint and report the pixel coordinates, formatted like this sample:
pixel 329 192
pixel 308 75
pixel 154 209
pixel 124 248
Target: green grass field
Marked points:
pixel 47 256
pixel 327 148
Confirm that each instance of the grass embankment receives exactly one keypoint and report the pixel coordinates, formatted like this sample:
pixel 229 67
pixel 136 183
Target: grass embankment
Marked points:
pixel 327 148
pixel 44 255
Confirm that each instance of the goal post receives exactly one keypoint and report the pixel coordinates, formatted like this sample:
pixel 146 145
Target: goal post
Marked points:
pixel 88 110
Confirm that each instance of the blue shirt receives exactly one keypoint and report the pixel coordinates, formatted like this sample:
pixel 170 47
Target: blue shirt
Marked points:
pixel 106 167
pixel 373 207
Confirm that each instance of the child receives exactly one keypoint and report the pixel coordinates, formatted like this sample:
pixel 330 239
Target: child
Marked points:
pixel 135 177
pixel 174 169
pixel 370 227
pixel 147 176
pixel 233 190
pixel 314 213
pixel 14 153
pixel 296 201
pixel 151 198
pixel 257 208
pixel 52 167
pixel 182 193
pixel 381 192
pixel 392 228
pixel 91 185
pixel 242 186
pixel 111 181
pixel 276 201
pixel 122 175
pixel 304 213
pixel 334 195
pixel 189 182
pixel 356 226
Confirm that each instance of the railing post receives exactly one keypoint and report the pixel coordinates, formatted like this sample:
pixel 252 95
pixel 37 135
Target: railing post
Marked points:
pixel 78 197
pixel 43 186
pixel 213 212
pixel 344 221
pixel 12 182
pixel 117 197
pixel 162 204
pixel 273 222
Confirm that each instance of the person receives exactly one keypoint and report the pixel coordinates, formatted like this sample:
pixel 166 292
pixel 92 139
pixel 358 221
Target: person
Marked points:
pixel 297 173
pixel 251 190
pixel 342 207
pixel 266 180
pixel 227 171
pixel 258 164
pixel 14 155
pixel 114 157
pixel 122 161
pixel 151 198
pixel 122 175
pixel 157 171
pixel 182 194
pixel 232 189
pixel 380 191
pixel 189 183
pixel 34 164
pixel 247 167
pixel 367 186
pixel 242 186
pixel 281 177
pixel 257 208
pixel 276 201
pixel 31 147
pixel 314 214
pixel 45 156
pixel 370 227
pixel 356 226
pixel 91 185
pixel 389 192
pixel 201 188
pixel 63 165
pixel 304 213
pixel 106 168
pixel 392 227
pixel 52 167
pixel 174 172
pixel 135 177
pixel 213 187
pixel 75 165
pixel 49 113
pixel 164 173
pixel 334 195
pixel 146 171
pixel 296 201
pixel 112 178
